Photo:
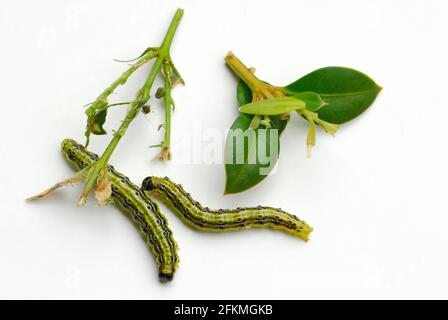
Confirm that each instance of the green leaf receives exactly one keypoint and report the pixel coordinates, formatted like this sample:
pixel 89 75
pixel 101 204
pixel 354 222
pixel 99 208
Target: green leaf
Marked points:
pixel 240 177
pixel 96 117
pixel 313 101
pixel 98 120
pixel 246 174
pixel 274 106
pixel 95 122
pixel 243 93
pixel 347 92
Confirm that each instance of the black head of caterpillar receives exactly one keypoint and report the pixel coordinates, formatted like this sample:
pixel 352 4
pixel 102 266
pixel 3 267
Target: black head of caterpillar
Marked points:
pixel 147 184
pixel 205 219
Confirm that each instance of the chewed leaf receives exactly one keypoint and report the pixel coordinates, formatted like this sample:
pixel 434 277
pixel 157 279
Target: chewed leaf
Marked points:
pixel 96 117
pixel 313 101
pixel 273 107
pixel 175 76
pixel 97 121
pixel 347 92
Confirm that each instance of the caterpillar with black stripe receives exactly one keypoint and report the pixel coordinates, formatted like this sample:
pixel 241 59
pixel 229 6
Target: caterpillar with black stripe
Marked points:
pixel 137 204
pixel 133 202
pixel 222 220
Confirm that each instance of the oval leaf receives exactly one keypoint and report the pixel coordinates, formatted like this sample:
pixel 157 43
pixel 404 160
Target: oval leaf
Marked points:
pixel 347 92
pixel 243 166
pixel 240 177
pixel 273 107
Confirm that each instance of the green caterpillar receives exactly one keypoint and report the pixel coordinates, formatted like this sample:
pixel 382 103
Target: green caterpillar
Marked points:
pixel 153 225
pixel 205 219
pixel 133 202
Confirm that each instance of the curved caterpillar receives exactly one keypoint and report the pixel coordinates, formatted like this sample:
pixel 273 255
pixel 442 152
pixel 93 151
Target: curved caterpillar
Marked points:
pixel 205 219
pixel 133 202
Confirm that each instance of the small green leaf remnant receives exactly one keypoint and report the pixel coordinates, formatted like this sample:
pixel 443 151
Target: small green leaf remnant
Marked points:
pixel 273 107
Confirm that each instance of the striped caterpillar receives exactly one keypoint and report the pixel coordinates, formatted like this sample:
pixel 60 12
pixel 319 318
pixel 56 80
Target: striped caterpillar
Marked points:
pixel 153 225
pixel 205 219
pixel 134 203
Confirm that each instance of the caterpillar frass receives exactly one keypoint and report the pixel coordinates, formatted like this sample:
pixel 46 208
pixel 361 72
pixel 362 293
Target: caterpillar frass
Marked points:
pixel 134 203
pixel 205 219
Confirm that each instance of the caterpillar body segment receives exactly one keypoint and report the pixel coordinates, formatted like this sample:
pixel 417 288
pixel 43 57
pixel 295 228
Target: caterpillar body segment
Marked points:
pixel 222 220
pixel 133 202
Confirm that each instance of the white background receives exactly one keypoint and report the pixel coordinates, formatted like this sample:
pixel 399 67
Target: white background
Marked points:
pixel 375 194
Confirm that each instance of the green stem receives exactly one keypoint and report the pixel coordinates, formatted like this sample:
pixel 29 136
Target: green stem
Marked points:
pixel 166 44
pixel 257 86
pixel 125 75
pixel 101 102
pixel 142 97
pixel 167 100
